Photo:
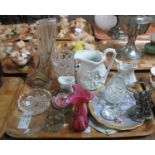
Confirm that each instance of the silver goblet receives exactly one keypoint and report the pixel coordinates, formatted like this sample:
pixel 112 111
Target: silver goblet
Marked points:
pixel 133 26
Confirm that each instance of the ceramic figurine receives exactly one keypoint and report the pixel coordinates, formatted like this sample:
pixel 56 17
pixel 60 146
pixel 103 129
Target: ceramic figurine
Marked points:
pixel 83 36
pixel 92 72
pixel 20 44
pixel 64 26
pixel 81 23
pixel 80 45
pixel 77 45
pixel 21 58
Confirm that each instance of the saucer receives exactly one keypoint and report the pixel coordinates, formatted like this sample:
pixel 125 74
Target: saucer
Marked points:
pixel 126 123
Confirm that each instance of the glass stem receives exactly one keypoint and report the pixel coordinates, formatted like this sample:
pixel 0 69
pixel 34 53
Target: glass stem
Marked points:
pixel 132 35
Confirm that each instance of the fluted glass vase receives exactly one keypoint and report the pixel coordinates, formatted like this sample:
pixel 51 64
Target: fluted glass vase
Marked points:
pixel 42 77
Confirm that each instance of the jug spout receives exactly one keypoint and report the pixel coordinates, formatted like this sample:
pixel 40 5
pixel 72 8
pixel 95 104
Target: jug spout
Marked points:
pixel 124 66
pixel 90 57
pixel 127 72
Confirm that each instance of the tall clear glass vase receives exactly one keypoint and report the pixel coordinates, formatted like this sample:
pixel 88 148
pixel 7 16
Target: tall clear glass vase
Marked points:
pixel 41 77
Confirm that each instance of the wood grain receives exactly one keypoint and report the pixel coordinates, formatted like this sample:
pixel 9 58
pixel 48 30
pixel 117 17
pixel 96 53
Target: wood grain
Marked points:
pixel 143 64
pixel 8 93
pixel 102 35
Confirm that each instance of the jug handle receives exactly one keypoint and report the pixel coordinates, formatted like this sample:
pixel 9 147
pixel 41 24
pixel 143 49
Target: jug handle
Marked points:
pixel 106 51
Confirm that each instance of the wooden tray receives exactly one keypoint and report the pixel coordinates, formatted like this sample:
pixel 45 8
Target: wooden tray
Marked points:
pixel 63 45
pixel 101 35
pixel 8 94
pixel 147 128
pixel 67 36
pixel 9 67
pixel 145 63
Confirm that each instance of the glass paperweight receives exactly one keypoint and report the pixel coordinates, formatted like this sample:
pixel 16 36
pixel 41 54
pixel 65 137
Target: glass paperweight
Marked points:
pixel 55 120
pixel 34 102
pixel 115 91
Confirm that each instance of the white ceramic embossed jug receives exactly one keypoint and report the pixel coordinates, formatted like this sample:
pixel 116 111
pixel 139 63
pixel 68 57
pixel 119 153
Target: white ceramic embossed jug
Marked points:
pixel 127 72
pixel 92 72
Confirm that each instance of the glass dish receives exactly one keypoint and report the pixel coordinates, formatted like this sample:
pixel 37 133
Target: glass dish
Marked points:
pixel 30 125
pixel 34 102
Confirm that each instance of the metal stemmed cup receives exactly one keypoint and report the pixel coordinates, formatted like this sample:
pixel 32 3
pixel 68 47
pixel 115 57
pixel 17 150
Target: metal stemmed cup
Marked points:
pixel 133 26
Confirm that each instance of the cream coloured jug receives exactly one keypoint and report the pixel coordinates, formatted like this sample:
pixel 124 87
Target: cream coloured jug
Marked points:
pixel 92 72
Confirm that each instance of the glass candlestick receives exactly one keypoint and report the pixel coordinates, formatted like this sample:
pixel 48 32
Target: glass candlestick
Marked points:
pixel 42 77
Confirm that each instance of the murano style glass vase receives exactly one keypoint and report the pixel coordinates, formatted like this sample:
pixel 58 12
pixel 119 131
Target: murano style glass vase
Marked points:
pixel 41 77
